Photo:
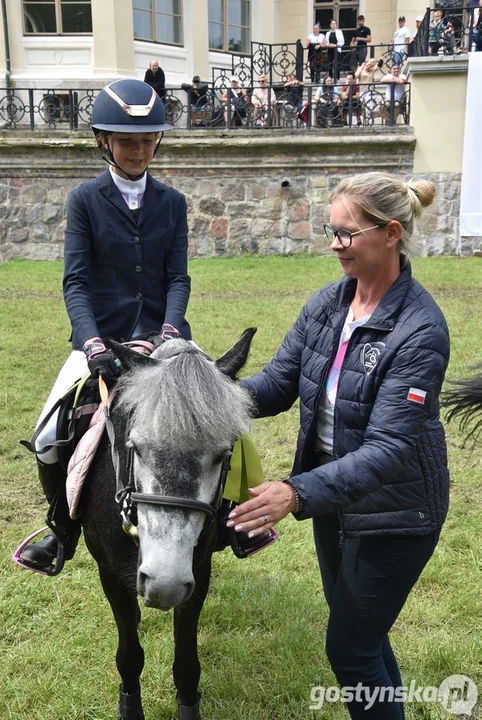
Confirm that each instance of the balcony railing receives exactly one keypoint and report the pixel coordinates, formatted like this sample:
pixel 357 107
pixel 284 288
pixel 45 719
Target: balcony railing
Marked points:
pixel 449 31
pixel 300 108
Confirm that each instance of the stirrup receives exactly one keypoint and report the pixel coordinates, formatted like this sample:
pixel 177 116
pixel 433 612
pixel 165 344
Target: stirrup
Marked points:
pixel 50 570
pixel 256 544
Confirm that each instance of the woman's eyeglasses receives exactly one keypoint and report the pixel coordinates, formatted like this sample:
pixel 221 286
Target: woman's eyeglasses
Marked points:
pixel 345 236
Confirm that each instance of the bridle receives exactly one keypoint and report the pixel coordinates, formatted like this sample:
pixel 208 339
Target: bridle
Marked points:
pixel 127 497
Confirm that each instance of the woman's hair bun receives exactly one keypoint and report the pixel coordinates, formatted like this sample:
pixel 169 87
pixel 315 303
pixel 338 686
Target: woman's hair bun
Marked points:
pixel 424 191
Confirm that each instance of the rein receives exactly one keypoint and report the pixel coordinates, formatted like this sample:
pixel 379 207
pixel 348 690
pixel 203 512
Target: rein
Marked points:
pixel 127 497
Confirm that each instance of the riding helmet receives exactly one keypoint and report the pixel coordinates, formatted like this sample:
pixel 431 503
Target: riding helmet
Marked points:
pixel 130 106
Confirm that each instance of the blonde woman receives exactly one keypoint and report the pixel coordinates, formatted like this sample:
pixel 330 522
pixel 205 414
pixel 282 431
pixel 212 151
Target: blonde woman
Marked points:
pixel 262 98
pixel 367 358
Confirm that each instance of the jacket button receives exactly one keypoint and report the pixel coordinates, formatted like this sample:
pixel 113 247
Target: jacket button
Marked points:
pixel 136 240
pixel 138 268
pixel 139 296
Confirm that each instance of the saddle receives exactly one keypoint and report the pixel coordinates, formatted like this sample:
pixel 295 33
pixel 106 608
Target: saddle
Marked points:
pixel 81 424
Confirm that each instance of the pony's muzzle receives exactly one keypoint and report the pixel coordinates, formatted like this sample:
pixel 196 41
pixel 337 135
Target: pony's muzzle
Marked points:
pixel 163 592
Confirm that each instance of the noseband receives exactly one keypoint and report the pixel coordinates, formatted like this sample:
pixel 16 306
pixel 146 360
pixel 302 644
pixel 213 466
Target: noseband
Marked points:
pixel 128 499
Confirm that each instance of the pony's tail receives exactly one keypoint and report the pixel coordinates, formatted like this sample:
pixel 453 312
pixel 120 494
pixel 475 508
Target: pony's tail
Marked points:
pixel 465 402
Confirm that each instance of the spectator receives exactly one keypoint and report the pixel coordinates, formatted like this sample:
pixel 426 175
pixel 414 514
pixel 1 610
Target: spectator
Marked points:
pixel 197 93
pixel 436 28
pixel 198 98
pixel 418 22
pixel 448 41
pixel 264 99
pixel 235 98
pixel 156 79
pixel 295 91
pixel 365 76
pixel 361 38
pixel 315 43
pixel 366 358
pixel 327 99
pixel 401 40
pixel 395 96
pixel 477 28
pixel 334 42
pixel 350 96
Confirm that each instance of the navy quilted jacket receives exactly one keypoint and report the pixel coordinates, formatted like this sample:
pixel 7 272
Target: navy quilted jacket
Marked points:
pixel 389 472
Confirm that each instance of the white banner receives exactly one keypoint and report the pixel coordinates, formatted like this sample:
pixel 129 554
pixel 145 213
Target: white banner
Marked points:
pixel 471 191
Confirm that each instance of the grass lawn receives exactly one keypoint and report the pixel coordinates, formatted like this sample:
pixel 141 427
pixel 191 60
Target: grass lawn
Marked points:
pixel 263 626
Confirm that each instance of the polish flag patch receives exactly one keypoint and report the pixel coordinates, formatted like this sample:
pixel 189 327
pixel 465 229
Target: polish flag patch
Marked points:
pixel 417 395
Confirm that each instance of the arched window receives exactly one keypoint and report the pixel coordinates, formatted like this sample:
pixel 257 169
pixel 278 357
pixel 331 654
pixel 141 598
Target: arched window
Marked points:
pixel 158 20
pixel 57 17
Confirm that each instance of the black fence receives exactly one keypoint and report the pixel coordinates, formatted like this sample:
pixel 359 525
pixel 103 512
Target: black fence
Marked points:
pixel 273 107
pixel 449 30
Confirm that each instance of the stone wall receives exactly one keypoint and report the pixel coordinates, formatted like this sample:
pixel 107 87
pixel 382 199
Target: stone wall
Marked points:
pixel 233 185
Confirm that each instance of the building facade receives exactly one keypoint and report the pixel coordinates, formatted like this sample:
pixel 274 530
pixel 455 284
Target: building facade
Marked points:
pixel 90 42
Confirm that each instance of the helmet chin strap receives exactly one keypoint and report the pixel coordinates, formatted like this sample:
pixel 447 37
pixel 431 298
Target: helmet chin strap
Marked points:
pixel 110 160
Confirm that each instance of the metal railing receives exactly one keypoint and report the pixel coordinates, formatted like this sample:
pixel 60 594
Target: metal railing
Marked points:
pixel 285 108
pixel 455 30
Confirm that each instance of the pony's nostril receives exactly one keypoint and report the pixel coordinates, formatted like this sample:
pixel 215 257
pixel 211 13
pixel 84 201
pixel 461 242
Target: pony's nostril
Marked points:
pixel 142 579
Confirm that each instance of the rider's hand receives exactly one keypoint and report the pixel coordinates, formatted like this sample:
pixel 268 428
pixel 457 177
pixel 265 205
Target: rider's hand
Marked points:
pixel 168 332
pixel 101 361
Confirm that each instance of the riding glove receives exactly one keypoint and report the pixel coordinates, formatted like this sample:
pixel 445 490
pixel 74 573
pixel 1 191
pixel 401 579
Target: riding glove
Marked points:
pixel 101 361
pixel 168 332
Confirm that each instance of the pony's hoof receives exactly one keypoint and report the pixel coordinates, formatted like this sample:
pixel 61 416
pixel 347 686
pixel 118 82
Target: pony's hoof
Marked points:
pixel 188 712
pixel 130 706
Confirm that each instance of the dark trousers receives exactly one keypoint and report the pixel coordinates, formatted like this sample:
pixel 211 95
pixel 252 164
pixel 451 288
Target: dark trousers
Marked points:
pixel 366 587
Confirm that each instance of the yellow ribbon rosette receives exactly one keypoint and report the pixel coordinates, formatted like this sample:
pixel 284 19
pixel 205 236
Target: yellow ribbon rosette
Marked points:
pixel 245 471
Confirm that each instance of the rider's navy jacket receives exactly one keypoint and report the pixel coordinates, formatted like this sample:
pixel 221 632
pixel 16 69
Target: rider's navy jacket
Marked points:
pixel 120 273
pixel 389 474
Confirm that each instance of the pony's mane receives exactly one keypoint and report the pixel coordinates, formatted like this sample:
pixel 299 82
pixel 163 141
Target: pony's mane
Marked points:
pixel 184 399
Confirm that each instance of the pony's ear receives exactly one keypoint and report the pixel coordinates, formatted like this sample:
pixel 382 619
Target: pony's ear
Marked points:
pixel 129 358
pixel 233 360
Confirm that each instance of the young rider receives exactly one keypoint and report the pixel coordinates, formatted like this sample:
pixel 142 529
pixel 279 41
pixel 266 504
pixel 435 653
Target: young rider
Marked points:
pixel 125 272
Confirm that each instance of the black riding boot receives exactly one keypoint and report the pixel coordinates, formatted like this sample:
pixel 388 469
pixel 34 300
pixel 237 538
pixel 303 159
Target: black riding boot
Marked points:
pixel 44 553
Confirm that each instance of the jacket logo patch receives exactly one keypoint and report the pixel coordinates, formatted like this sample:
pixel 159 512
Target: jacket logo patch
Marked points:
pixel 369 355
pixel 416 395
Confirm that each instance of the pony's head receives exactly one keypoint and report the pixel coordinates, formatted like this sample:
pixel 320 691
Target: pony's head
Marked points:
pixel 182 413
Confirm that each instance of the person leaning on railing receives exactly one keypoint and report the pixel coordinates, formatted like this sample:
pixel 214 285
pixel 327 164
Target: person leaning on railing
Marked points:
pixel 395 94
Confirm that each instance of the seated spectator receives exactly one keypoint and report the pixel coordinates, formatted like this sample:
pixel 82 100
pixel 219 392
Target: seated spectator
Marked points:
pixel 262 98
pixel 350 96
pixel 197 93
pixel 327 100
pixel 155 77
pixel 198 97
pixel 315 43
pixel 295 91
pixel 361 38
pixel 436 28
pixel 395 96
pixel 235 99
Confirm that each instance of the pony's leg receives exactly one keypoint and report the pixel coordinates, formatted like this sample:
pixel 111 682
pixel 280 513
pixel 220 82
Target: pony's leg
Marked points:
pixel 130 655
pixel 186 667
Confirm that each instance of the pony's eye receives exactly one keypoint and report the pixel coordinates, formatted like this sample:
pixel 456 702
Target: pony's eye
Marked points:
pixel 218 459
pixel 132 446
